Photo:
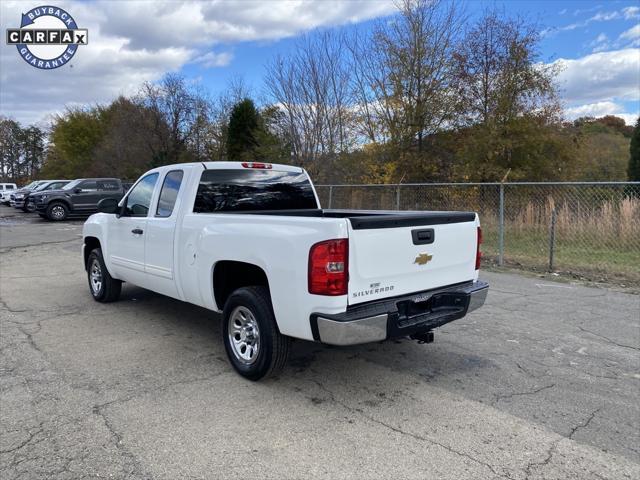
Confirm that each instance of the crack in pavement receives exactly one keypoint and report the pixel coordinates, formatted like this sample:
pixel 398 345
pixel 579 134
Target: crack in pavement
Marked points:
pixel 585 424
pixel 6 306
pixel 613 342
pixel 136 466
pixel 4 250
pixel 26 442
pixel 533 465
pixel 410 434
pixel 518 394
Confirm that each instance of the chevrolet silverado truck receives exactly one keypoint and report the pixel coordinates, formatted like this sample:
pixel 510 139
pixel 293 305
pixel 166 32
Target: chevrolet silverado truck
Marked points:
pixel 250 240
pixel 78 197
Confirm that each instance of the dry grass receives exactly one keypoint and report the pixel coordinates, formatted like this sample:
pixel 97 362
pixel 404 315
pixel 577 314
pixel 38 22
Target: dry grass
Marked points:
pixel 597 230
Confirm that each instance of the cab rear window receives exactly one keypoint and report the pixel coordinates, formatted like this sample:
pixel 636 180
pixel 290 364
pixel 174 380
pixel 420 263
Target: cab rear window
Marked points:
pixel 253 190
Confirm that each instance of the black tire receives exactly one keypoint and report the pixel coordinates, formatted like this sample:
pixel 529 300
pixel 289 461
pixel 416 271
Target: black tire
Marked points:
pixel 29 207
pixel 109 288
pixel 273 350
pixel 57 211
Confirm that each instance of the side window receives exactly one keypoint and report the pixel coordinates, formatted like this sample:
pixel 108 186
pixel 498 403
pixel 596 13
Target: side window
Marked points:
pixel 139 200
pixel 56 186
pixel 108 185
pixel 9 187
pixel 88 186
pixel 169 193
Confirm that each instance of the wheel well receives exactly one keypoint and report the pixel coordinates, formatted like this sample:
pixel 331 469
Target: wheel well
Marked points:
pixel 229 275
pixel 90 243
pixel 59 200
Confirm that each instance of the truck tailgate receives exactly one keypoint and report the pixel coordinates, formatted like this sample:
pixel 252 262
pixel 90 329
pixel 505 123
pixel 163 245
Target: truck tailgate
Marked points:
pixel 402 254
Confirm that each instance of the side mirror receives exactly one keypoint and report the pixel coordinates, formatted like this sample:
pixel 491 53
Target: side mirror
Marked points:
pixel 108 205
pixel 77 190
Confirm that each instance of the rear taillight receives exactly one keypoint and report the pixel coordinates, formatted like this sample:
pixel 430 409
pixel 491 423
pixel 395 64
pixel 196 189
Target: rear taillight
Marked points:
pixel 329 267
pixel 478 252
pixel 266 166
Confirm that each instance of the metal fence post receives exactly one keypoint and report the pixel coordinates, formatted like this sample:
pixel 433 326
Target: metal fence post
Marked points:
pixel 398 198
pixel 552 238
pixel 501 228
pixel 330 195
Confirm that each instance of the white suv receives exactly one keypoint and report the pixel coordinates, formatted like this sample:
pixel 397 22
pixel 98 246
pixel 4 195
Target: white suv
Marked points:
pixel 5 191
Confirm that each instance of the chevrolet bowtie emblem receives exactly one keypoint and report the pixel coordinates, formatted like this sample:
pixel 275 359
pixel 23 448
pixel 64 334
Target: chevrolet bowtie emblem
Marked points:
pixel 423 259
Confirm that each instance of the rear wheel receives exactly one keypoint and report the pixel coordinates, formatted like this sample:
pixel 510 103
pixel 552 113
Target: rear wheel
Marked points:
pixel 57 211
pixel 104 288
pixel 254 345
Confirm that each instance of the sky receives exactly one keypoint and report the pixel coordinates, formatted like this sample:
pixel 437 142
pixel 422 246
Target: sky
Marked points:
pixel 596 44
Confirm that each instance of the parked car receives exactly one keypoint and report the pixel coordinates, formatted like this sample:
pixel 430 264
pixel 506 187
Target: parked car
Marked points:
pixel 16 199
pixel 251 241
pixel 78 197
pixel 5 191
pixel 27 203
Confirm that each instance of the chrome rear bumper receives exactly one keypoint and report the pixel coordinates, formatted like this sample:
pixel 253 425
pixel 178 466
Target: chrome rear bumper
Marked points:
pixel 407 315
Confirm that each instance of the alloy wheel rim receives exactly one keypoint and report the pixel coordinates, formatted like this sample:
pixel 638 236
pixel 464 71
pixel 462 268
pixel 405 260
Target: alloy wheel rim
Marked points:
pixel 244 335
pixel 95 274
pixel 57 211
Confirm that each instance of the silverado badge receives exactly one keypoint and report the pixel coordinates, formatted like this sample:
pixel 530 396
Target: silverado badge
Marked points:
pixel 423 258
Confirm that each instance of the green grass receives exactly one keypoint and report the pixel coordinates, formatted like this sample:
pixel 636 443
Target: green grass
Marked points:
pixel 578 255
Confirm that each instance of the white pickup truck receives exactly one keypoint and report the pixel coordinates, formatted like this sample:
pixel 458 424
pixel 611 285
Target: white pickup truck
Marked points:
pixel 251 241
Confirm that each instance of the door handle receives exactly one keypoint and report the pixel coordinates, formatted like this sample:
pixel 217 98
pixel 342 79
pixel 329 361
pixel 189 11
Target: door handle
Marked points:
pixel 137 231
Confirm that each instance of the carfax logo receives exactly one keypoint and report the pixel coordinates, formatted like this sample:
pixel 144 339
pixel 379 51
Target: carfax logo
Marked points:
pixel 48 37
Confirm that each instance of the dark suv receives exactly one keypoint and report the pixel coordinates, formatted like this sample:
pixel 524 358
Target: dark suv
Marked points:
pixel 27 203
pixel 79 197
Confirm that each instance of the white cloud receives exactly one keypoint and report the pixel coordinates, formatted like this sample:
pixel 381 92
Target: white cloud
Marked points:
pixel 213 59
pixel 631 12
pixel 632 33
pixel 627 13
pixel 136 41
pixel 600 109
pixel 601 77
pixel 601 83
pixel 600 43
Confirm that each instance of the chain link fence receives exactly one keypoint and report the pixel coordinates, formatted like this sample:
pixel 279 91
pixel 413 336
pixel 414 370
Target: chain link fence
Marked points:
pixel 588 229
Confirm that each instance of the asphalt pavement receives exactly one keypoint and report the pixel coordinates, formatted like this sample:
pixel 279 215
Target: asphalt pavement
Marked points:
pixel 542 382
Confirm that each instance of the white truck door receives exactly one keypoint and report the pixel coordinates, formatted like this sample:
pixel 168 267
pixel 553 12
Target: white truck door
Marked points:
pixel 127 233
pixel 160 236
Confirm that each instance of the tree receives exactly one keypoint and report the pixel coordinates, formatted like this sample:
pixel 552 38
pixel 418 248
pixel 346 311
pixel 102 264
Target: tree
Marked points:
pixel 272 136
pixel 244 123
pixel 499 75
pixel 616 123
pixel 173 102
pixel 11 149
pixel 73 140
pixel 312 87
pixel 215 132
pixel 129 146
pixel 403 78
pixel 509 104
pixel 633 171
pixel 32 139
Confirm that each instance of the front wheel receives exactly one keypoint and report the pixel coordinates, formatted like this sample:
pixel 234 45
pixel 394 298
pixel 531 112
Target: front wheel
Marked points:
pixel 254 345
pixel 104 288
pixel 57 211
